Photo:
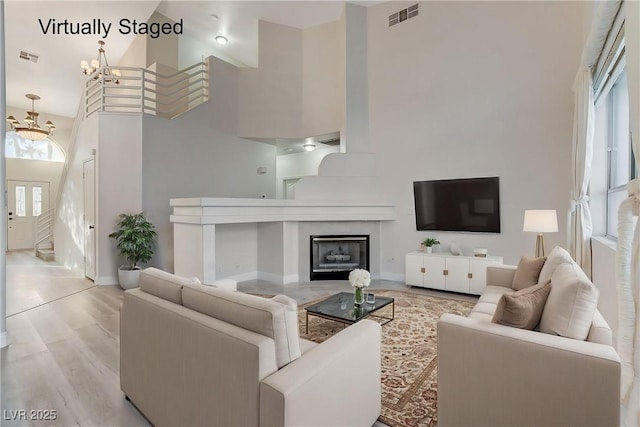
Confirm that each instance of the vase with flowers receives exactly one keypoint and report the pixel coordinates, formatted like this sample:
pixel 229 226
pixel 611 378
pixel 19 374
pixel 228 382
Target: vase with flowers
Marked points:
pixel 359 279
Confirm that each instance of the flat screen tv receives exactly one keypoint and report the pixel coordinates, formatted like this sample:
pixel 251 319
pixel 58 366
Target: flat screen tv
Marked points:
pixel 471 204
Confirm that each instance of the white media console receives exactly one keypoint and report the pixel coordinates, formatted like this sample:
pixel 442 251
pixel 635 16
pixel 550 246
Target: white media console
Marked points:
pixel 464 274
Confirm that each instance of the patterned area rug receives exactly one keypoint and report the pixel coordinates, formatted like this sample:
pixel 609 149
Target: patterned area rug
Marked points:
pixel 409 378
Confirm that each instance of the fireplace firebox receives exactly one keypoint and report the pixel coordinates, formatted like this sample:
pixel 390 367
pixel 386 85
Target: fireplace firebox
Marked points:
pixel 333 257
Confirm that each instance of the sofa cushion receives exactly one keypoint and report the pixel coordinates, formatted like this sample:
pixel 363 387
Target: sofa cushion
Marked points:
pixel 527 272
pixel 571 303
pixel 522 309
pixel 486 305
pixel 556 257
pixel 264 316
pixel 163 285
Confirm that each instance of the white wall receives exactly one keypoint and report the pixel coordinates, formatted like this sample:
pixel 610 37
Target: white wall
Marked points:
pixel 297 165
pixel 197 154
pixel 472 89
pixel 69 226
pixel 323 78
pixel 270 96
pixel 119 186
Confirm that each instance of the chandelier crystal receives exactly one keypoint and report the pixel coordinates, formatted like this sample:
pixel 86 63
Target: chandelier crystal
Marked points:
pixel 31 130
pixel 89 68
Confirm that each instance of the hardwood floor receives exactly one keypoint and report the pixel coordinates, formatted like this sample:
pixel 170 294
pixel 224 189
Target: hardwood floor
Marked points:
pixel 63 354
pixel 64 357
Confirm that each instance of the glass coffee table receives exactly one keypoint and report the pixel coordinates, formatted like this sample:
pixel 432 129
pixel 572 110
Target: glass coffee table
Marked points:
pixel 340 308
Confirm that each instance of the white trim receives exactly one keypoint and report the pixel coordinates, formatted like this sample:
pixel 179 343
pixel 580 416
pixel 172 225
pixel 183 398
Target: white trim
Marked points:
pixel 291 278
pixel 107 280
pixel 4 340
pixel 253 275
pixel 394 277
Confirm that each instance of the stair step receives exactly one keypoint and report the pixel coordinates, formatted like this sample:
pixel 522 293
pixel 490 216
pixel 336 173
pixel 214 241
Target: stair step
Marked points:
pixel 46 254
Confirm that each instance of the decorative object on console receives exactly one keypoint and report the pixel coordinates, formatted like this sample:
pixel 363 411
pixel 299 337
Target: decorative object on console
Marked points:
pixel 429 243
pixel 135 235
pixel 359 279
pixel 540 221
pixel 455 249
pixel 480 252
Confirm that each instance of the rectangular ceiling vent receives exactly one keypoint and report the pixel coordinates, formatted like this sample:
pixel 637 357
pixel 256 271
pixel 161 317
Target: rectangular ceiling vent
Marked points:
pixel 404 14
pixel 29 56
pixel 331 141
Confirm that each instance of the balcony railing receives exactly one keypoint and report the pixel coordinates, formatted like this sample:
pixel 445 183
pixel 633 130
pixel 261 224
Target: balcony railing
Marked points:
pixel 140 90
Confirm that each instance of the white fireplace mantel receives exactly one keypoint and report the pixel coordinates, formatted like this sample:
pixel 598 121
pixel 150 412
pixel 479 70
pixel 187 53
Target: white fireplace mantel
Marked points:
pixel 195 220
pixel 211 210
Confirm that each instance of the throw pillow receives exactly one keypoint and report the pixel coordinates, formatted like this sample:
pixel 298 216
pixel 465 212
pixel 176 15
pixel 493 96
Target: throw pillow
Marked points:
pixel 571 304
pixel 527 272
pixel 522 309
pixel 556 257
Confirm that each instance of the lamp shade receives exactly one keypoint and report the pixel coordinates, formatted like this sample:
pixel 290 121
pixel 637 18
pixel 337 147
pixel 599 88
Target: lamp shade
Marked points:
pixel 540 221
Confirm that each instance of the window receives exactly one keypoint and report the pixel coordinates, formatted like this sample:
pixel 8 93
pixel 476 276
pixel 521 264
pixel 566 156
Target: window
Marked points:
pixel 612 124
pixel 19 148
pixel 37 201
pixel 21 200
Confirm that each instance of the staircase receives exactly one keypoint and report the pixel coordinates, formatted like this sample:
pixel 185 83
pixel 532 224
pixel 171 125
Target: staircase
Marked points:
pixel 44 236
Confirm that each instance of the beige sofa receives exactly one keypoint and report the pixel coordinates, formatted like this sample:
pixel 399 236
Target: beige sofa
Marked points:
pixel 495 375
pixel 195 355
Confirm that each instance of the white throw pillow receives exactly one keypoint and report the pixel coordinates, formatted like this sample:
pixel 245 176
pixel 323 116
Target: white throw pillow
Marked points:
pixel 556 257
pixel 571 304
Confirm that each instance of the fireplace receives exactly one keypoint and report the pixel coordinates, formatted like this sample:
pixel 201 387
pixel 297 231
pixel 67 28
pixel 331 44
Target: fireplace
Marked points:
pixel 333 257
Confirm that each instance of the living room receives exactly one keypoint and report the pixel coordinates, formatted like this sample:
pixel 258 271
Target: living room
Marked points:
pixel 464 90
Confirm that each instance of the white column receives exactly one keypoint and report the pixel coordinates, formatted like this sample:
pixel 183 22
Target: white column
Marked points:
pixel 194 252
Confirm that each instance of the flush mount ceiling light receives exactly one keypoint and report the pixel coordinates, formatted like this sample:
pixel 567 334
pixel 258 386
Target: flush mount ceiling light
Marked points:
pixel 222 40
pixel 31 130
pixel 309 145
pixel 98 64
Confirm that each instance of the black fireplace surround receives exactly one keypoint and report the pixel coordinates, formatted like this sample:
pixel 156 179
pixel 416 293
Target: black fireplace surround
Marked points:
pixel 333 257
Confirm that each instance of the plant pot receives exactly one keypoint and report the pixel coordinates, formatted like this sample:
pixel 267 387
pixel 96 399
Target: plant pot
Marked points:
pixel 128 278
pixel 429 249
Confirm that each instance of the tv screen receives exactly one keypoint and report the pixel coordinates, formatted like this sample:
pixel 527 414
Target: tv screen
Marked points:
pixel 471 204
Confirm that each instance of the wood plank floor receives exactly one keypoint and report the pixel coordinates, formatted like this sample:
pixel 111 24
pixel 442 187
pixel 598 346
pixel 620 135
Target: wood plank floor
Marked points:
pixel 64 356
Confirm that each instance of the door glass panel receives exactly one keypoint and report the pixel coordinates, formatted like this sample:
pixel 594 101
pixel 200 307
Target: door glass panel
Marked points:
pixel 37 201
pixel 21 204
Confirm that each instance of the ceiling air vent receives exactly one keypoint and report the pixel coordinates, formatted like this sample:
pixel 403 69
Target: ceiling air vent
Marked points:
pixel 29 56
pixel 331 141
pixel 404 14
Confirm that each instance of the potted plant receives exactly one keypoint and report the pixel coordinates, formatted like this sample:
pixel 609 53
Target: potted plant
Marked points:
pixel 135 235
pixel 429 243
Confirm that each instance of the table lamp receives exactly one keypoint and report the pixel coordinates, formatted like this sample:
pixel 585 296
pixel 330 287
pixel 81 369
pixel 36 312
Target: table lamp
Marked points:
pixel 540 221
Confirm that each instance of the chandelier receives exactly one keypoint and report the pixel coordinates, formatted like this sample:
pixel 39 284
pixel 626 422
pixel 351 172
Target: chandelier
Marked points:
pixel 31 130
pixel 98 64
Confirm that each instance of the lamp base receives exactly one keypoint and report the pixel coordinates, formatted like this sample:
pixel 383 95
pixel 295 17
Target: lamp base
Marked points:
pixel 539 246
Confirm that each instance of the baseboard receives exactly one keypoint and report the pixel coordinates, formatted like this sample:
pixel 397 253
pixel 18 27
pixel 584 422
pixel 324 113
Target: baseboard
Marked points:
pixel 4 340
pixel 394 277
pixel 291 278
pixel 107 280
pixel 252 275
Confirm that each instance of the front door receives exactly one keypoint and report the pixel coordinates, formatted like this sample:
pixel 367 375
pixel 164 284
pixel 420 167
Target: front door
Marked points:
pixel 88 173
pixel 27 200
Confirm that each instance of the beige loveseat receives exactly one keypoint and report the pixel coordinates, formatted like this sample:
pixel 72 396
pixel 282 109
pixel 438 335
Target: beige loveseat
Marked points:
pixel 495 375
pixel 195 355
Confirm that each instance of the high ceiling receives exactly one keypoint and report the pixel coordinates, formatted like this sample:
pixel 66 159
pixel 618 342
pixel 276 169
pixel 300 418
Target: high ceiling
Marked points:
pixel 57 77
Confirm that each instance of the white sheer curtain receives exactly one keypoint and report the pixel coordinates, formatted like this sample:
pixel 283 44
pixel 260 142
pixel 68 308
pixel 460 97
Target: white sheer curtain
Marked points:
pixel 579 224
pixel 579 219
pixel 628 249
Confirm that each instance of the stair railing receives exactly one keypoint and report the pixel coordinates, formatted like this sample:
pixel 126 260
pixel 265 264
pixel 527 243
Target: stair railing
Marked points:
pixel 140 90
pixel 44 227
